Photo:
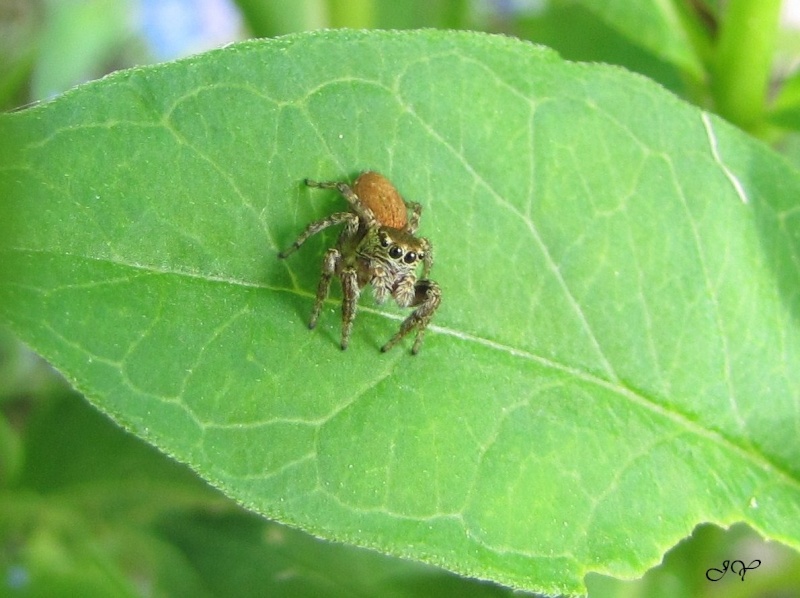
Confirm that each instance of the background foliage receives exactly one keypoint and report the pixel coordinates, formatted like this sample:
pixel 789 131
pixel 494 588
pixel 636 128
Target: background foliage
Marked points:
pixel 66 527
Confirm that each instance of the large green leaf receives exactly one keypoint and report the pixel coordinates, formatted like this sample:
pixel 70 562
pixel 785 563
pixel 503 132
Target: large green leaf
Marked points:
pixel 616 358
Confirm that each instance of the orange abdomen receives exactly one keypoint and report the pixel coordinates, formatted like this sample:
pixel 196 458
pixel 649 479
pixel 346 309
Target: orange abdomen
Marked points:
pixel 379 195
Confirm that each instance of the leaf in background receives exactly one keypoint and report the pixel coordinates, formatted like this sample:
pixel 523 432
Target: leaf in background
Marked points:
pixel 656 25
pixel 615 359
pixel 579 34
pixel 785 110
pixel 79 41
pixel 442 14
pixel 265 19
pixel 80 520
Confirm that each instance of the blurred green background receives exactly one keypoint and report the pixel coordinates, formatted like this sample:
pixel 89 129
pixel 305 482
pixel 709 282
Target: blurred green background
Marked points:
pixel 88 510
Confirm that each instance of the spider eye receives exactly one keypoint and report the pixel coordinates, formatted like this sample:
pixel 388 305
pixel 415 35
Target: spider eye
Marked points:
pixel 384 240
pixel 410 257
pixel 395 252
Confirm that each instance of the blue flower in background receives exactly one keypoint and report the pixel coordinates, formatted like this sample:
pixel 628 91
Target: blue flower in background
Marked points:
pixel 17 577
pixel 175 28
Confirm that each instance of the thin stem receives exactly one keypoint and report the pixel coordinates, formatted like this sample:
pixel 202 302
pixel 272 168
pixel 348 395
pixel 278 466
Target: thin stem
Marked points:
pixel 743 60
pixel 357 14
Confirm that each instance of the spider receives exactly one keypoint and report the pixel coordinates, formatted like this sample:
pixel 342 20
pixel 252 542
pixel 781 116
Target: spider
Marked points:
pixel 377 246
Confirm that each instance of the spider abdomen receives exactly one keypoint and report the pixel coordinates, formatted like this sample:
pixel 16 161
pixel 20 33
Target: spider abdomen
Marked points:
pixel 376 192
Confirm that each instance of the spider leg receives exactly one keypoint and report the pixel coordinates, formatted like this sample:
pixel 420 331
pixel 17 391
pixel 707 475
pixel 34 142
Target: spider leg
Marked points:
pixel 427 261
pixel 413 221
pixel 427 298
pixel 343 188
pixel 350 292
pixel 312 229
pixel 328 185
pixel 348 193
pixel 329 263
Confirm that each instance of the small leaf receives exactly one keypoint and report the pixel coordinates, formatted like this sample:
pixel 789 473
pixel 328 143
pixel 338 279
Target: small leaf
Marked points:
pixel 616 355
pixel 785 111
pixel 579 34
pixel 655 25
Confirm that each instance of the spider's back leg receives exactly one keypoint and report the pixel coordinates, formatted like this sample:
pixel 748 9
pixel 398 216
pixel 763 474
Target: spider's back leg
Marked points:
pixel 318 226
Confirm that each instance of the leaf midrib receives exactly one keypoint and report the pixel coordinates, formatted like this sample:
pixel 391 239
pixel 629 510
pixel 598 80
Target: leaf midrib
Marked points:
pixel 681 420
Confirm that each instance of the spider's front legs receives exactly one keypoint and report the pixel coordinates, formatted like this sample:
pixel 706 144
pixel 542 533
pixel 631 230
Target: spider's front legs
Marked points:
pixel 329 263
pixel 350 293
pixel 427 298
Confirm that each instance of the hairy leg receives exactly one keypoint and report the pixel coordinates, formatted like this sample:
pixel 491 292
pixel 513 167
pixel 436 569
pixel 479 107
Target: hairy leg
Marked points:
pixel 312 229
pixel 350 292
pixel 329 263
pixel 428 296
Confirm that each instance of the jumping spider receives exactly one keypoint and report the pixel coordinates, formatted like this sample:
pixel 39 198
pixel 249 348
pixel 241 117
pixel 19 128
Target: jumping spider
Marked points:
pixel 377 246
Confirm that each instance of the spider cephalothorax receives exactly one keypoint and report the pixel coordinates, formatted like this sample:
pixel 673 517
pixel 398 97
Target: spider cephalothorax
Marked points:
pixel 377 246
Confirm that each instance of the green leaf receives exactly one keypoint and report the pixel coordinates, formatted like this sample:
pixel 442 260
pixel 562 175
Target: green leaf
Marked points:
pixel 81 519
pixel 616 355
pixel 265 19
pixel 253 557
pixel 579 34
pixel 658 26
pixel 79 40
pixel 785 111
pixel 113 516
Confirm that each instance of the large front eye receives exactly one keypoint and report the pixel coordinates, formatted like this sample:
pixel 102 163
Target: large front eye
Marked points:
pixel 410 257
pixel 395 252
